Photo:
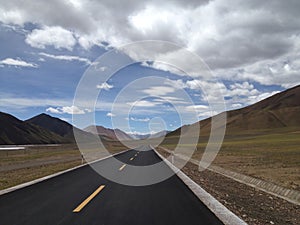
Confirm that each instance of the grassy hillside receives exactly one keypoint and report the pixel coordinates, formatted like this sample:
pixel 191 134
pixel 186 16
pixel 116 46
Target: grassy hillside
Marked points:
pixel 262 140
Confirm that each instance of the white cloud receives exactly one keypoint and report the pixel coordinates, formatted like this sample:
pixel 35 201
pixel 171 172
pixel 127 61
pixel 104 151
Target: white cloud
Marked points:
pixel 64 119
pixel 143 103
pixel 109 114
pixel 244 85
pixel 20 103
pixel 68 110
pixel 159 90
pixel 171 99
pixel 178 84
pixel 140 133
pixel 243 42
pixel 236 105
pixel 53 110
pixel 206 114
pixel 55 36
pixel 102 68
pixel 140 119
pixel 16 62
pixel 268 72
pixel 66 57
pixel 221 33
pixel 202 111
pixel 262 96
pixel 242 89
pixel 105 86
pixel 196 107
pixel 12 16
pixel 210 91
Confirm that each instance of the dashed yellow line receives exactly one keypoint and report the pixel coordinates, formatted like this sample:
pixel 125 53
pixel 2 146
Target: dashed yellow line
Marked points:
pixel 86 201
pixel 122 167
pixel 131 158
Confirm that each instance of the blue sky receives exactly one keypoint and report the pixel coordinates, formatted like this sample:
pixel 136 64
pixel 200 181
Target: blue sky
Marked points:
pixel 43 57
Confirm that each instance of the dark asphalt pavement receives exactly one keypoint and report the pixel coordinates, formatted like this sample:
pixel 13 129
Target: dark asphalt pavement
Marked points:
pixel 53 201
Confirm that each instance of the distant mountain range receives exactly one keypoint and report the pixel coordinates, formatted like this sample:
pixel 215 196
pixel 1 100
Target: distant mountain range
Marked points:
pixel 154 135
pixel 45 129
pixel 281 110
pixel 117 134
pixel 114 134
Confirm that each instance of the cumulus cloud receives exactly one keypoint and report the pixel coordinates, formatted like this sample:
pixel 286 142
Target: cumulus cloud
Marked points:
pixel 140 119
pixel 236 105
pixel 206 114
pixel 178 84
pixel 68 110
pixel 241 89
pixel 234 95
pixel 55 36
pixel 143 103
pixel 261 96
pixel 16 62
pixel 283 71
pixel 54 110
pixel 109 114
pixel 66 57
pixel 64 119
pixel 196 107
pixel 225 35
pixel 21 103
pixel 105 86
pixel 241 41
pixel 159 90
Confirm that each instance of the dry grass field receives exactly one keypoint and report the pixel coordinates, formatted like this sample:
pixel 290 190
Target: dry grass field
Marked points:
pixel 272 157
pixel 35 161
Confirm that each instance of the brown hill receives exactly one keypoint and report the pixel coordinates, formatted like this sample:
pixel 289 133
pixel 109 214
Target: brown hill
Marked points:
pixel 279 111
pixel 60 127
pixel 113 134
pixel 53 124
pixel 15 131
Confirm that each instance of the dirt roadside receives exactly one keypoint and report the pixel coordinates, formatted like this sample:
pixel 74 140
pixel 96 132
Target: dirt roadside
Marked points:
pixel 250 204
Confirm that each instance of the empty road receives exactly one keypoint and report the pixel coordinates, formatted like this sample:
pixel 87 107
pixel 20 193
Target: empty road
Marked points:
pixel 83 197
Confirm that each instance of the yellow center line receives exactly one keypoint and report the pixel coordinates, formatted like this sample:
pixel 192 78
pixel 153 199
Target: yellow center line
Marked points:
pixel 131 158
pixel 86 201
pixel 122 167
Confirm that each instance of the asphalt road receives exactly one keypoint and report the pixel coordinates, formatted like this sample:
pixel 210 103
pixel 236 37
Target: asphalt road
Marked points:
pixel 83 197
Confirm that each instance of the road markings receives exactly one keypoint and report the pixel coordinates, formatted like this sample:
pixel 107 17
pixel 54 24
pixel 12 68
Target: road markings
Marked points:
pixel 131 158
pixel 135 154
pixel 86 201
pixel 122 167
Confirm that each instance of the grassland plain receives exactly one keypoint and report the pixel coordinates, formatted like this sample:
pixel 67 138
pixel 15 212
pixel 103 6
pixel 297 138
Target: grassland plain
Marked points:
pixel 271 157
pixel 35 161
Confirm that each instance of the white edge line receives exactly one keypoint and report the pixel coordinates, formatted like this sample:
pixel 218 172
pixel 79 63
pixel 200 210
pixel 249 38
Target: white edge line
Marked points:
pixel 223 213
pixel 17 187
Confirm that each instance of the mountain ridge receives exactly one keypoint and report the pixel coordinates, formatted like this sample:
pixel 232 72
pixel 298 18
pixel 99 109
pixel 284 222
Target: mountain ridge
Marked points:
pixel 15 131
pixel 278 111
pixel 113 134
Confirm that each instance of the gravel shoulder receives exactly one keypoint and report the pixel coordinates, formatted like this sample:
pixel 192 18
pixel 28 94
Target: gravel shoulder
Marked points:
pixel 252 205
